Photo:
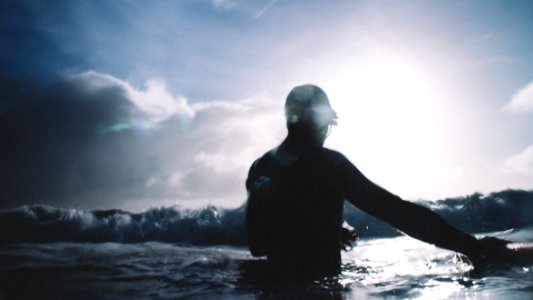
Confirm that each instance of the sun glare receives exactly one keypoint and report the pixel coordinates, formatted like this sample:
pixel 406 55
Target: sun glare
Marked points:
pixel 389 123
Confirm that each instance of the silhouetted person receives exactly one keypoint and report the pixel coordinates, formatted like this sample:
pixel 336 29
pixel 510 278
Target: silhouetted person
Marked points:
pixel 296 193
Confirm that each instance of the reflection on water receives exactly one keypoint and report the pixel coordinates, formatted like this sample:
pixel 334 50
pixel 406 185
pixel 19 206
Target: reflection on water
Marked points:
pixel 393 268
pixel 400 268
pixel 406 268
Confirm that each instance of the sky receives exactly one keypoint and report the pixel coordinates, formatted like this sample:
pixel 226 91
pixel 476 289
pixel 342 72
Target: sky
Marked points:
pixel 139 104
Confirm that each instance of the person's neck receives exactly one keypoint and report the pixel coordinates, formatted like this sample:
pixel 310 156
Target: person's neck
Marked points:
pixel 301 142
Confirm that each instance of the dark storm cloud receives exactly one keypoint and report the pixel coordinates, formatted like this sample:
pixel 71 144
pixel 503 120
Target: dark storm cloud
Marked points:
pixel 53 147
pixel 91 140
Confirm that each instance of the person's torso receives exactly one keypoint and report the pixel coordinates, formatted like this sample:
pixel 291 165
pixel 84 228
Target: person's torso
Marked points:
pixel 304 207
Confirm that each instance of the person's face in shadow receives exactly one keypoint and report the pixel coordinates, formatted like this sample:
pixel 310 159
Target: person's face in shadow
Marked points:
pixel 322 133
pixel 321 120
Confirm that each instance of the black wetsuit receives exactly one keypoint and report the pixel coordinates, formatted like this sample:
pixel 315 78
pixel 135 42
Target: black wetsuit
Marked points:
pixel 294 210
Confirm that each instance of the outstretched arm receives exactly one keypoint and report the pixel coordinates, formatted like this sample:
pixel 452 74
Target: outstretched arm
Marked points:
pixel 418 221
pixel 414 220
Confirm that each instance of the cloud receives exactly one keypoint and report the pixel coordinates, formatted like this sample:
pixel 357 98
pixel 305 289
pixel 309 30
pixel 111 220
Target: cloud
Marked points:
pixel 224 4
pixel 522 100
pixel 255 8
pixel 521 162
pixel 153 101
pixel 222 142
pixel 93 140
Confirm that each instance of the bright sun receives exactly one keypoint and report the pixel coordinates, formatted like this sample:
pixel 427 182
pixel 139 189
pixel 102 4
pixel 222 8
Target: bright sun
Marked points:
pixel 390 124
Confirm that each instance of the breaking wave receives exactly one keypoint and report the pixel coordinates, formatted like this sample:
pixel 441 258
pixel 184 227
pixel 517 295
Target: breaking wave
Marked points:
pixel 208 226
pixel 510 209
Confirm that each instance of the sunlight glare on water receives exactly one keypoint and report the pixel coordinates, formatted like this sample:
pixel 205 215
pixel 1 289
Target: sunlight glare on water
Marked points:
pixel 406 267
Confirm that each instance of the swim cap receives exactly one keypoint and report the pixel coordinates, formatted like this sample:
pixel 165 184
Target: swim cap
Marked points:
pixel 309 104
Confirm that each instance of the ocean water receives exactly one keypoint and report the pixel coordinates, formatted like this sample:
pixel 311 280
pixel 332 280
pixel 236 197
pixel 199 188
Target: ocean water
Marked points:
pixel 169 253
pixel 392 268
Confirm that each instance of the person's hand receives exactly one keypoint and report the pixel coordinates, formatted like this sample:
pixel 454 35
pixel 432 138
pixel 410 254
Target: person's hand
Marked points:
pixel 491 251
pixel 349 237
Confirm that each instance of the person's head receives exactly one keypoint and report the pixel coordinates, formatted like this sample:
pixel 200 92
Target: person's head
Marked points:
pixel 309 114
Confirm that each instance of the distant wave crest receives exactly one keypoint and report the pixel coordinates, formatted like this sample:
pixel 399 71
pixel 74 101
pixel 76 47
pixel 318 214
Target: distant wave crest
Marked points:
pixel 38 223
pixel 476 213
pixel 511 209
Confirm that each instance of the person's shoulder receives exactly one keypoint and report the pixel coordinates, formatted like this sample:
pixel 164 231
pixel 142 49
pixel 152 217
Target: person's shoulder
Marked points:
pixel 336 160
pixel 265 158
pixel 258 167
